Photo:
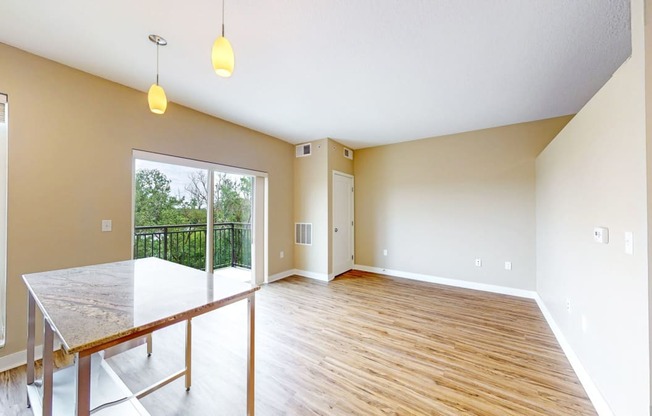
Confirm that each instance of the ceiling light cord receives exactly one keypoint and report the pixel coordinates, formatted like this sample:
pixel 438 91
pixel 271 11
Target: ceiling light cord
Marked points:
pixel 156 98
pixel 157 47
pixel 222 52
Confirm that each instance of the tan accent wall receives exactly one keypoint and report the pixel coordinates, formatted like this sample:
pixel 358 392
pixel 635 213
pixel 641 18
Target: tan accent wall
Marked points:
pixel 71 137
pixel 313 203
pixel 438 204
pixel 311 206
pixel 594 174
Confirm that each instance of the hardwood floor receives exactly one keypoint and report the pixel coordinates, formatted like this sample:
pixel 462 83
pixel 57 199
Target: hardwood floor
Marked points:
pixel 363 344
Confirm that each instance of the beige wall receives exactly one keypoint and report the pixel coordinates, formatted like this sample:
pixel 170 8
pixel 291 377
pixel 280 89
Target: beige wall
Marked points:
pixel 313 202
pixel 71 137
pixel 439 203
pixel 594 174
pixel 311 206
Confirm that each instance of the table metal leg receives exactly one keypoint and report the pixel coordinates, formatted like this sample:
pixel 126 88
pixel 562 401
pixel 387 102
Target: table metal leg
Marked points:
pixel 31 337
pixel 188 353
pixel 251 344
pixel 149 345
pixel 83 366
pixel 48 367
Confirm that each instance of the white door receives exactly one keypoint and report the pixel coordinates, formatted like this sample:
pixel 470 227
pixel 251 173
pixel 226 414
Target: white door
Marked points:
pixel 342 223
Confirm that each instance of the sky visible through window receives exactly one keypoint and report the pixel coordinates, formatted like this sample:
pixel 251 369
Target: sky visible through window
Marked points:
pixel 178 175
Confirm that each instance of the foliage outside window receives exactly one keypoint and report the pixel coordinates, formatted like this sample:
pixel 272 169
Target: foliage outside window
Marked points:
pixel 171 223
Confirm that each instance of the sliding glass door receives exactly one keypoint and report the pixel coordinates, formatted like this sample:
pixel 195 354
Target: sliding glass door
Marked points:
pixel 184 209
pixel 169 222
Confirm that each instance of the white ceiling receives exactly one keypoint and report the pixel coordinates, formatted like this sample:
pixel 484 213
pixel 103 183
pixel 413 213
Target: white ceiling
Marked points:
pixel 363 72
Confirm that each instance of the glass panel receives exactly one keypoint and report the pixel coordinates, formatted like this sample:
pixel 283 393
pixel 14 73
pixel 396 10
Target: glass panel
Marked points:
pixel 170 213
pixel 232 207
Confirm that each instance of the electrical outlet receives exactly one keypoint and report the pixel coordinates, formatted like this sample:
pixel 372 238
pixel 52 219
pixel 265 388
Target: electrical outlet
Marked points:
pixel 282 254
pixel 585 324
pixel 478 262
pixel 384 252
pixel 569 308
pixel 629 242
pixel 508 265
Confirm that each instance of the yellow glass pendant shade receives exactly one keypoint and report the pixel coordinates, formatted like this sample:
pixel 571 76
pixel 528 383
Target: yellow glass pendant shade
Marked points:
pixel 158 102
pixel 222 57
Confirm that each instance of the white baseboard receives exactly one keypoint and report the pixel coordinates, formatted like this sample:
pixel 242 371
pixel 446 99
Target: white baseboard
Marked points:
pixel 521 293
pixel 600 404
pixel 303 273
pixel 19 358
pixel 279 276
pixel 324 277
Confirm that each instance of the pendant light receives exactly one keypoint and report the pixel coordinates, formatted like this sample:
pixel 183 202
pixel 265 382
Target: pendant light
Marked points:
pixel 158 102
pixel 222 55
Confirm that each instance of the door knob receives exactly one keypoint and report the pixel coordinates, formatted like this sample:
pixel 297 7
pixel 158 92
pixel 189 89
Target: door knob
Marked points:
pixel 335 229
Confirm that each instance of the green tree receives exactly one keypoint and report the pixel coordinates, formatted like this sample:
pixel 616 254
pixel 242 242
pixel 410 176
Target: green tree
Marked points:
pixel 194 209
pixel 155 204
pixel 232 198
pixel 233 205
pixel 197 188
pixel 157 207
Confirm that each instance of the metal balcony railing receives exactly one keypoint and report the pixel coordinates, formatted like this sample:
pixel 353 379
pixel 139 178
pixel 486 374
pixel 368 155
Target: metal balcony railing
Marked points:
pixel 186 244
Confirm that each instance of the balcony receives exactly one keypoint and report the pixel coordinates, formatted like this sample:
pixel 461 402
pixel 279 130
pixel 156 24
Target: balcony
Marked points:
pixel 186 244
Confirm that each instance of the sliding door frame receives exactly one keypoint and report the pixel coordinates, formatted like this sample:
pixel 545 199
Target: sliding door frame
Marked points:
pixel 259 226
pixel 4 175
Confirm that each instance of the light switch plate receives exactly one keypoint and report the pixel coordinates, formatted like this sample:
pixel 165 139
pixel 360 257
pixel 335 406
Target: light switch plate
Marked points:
pixel 601 235
pixel 106 225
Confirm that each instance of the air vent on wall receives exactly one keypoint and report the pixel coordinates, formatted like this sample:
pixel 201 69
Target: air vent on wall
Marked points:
pixel 304 150
pixel 3 108
pixel 303 233
pixel 348 153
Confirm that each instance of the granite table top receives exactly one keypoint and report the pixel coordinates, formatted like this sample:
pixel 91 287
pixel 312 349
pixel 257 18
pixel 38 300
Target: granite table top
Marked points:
pixel 92 306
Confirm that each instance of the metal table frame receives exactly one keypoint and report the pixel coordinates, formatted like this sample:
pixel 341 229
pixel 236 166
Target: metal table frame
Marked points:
pixel 83 358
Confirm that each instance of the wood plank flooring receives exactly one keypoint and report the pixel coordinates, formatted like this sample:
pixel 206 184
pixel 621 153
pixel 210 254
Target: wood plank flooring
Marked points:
pixel 363 344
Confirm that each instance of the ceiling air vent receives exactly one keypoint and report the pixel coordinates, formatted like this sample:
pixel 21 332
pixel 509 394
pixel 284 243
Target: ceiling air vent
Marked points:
pixel 348 153
pixel 304 150
pixel 303 233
